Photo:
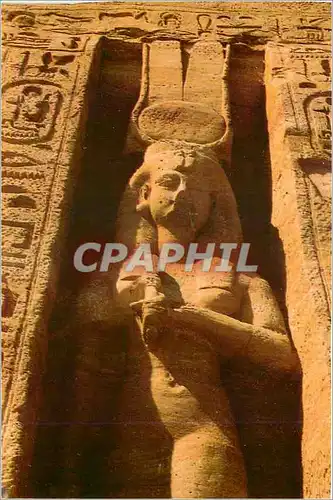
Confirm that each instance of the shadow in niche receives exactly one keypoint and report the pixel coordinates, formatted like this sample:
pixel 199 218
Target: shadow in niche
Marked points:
pixel 86 362
pixel 268 409
pixel 76 433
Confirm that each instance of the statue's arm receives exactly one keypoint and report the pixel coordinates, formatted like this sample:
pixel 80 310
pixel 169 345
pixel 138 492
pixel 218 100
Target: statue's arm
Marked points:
pixel 269 343
pixel 258 335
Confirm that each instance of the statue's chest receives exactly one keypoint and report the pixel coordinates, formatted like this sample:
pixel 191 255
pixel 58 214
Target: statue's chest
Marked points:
pixel 178 285
pixel 219 291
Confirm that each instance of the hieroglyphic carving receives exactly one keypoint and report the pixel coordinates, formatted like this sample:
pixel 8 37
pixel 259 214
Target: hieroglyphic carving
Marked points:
pixel 16 197
pixel 33 101
pixel 300 79
pixel 119 14
pixel 174 25
pixel 23 204
pixel 30 112
pixel 130 21
pixel 204 23
pixel 21 19
pixel 309 67
pixel 44 77
pixel 31 173
pixel 47 65
pixel 298 110
pixel 319 111
pixel 24 40
pixel 170 20
pixel 9 299
pixel 20 166
pixel 11 292
pixel 29 29
pixel 24 29
pixel 229 25
pixel 17 237
pixel 13 159
pixel 307 29
pixel 42 41
pixel 305 73
pixel 302 73
pixel 25 195
pixel 62 20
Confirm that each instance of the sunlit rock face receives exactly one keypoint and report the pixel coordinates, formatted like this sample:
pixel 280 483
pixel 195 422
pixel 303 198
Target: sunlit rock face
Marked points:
pixel 166 124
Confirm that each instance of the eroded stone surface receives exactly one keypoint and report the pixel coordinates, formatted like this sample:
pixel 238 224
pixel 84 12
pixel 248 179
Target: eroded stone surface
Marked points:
pixel 187 121
pixel 204 66
pixel 298 82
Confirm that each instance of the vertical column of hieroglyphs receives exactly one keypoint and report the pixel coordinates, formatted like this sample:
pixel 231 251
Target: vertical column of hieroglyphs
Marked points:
pixel 45 75
pixel 298 80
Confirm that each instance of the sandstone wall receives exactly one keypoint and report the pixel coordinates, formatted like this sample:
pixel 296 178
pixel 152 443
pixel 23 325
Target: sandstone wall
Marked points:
pixel 51 64
pixel 298 80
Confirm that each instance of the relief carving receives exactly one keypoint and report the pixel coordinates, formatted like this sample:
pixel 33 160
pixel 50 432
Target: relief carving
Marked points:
pixel 14 159
pixel 21 30
pixel 204 23
pixel 171 21
pixel 25 21
pixel 13 291
pixel 136 15
pixel 30 112
pixel 301 78
pixel 25 29
pixel 17 238
pixel 31 40
pixel 21 19
pixel 20 166
pixel 319 110
pixel 15 197
pixel 46 65
pixel 37 151
pixel 9 299
pixel 310 29
pixel 61 20
pixel 226 25
pixel 231 25
pixel 305 66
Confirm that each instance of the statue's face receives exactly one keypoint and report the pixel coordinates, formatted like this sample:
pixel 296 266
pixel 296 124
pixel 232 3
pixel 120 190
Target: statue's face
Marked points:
pixel 179 200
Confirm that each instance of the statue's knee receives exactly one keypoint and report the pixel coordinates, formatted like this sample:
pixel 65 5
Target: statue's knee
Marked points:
pixel 206 463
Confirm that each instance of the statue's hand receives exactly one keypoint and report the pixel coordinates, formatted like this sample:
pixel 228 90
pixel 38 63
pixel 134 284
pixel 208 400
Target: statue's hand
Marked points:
pixel 154 313
pixel 189 307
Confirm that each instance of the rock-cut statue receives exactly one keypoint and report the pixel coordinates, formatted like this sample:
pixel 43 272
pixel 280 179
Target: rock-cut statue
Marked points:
pixel 176 422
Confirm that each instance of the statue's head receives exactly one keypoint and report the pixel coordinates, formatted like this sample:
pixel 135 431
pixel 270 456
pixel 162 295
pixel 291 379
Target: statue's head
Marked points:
pixel 181 188
pixel 175 188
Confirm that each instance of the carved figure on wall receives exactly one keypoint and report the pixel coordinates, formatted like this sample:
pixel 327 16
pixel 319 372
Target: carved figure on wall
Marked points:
pixel 184 323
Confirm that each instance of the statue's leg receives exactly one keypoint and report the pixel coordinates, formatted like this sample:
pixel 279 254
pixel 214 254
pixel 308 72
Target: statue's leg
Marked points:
pixel 205 464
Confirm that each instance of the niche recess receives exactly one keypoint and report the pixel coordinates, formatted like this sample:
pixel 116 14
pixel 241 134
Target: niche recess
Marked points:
pixel 85 365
